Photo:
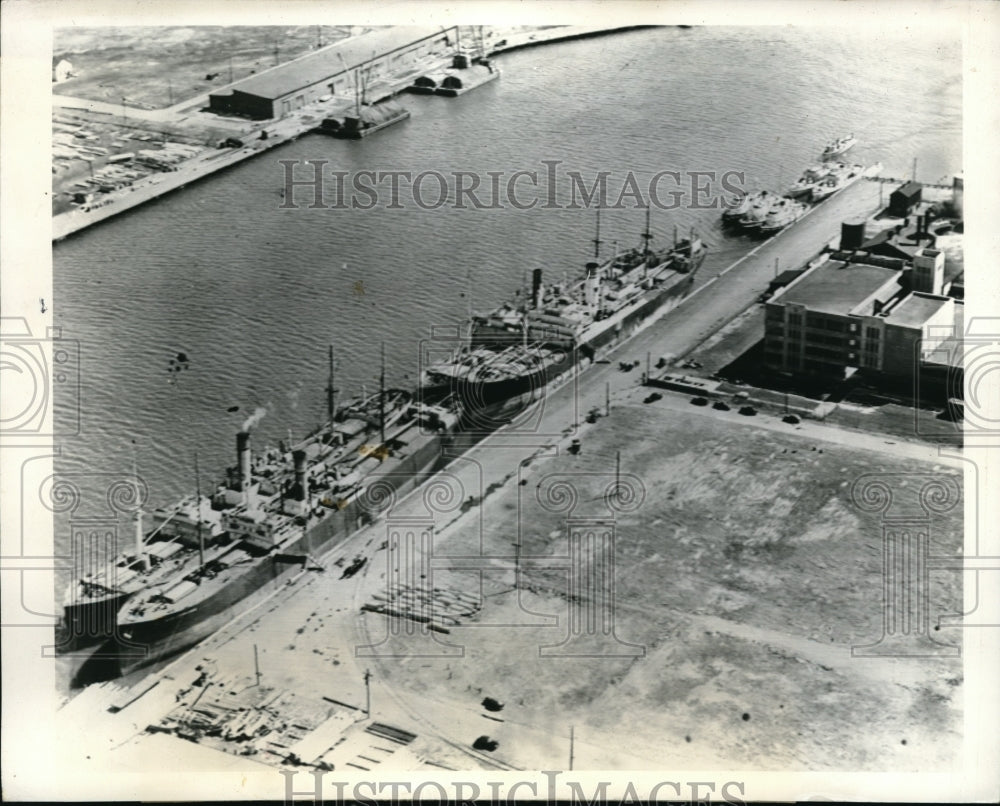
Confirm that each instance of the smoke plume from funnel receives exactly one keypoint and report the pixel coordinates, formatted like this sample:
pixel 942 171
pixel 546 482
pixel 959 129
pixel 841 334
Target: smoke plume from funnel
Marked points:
pixel 254 418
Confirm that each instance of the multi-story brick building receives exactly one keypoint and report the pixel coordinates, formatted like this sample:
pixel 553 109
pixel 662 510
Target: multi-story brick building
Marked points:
pixel 856 311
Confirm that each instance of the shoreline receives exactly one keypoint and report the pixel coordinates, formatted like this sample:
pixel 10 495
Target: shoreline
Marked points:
pixel 283 130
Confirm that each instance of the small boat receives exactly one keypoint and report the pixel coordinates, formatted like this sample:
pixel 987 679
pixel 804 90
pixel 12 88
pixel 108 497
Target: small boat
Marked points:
pixel 782 214
pixel 809 179
pixel 742 205
pixel 838 179
pixel 759 211
pixel 839 146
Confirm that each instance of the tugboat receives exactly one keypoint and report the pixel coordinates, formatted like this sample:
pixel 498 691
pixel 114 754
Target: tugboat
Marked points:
pixel 786 212
pixel 839 146
pixel 752 220
pixel 742 206
pixel 838 179
pixel 809 179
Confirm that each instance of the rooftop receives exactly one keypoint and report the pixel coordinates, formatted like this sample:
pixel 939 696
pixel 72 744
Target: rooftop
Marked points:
pixel 909 189
pixel 330 61
pixel 916 309
pixel 838 287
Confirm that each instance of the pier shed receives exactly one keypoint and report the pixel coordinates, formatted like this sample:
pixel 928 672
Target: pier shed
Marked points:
pixel 903 199
pixel 392 51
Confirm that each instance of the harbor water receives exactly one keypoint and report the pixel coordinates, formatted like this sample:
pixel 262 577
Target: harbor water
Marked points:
pixel 253 294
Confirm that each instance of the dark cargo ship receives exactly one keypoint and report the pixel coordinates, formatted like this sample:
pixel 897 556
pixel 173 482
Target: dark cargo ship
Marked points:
pixel 516 350
pixel 284 506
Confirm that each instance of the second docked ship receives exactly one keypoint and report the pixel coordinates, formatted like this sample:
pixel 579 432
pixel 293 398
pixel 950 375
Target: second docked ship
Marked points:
pixel 515 351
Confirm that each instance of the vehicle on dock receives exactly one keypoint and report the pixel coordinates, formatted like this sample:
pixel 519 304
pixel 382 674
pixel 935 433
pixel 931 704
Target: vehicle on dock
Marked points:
pixel 838 146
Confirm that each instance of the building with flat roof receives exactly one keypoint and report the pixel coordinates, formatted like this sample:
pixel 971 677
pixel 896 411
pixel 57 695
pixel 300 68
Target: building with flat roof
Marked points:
pixel 904 198
pixel 384 52
pixel 856 311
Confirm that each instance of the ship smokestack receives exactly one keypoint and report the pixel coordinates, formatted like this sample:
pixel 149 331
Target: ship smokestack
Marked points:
pixel 243 462
pixel 592 285
pixel 299 491
pixel 536 287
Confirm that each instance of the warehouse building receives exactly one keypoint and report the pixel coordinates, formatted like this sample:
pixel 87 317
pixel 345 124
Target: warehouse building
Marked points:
pixel 858 311
pixel 393 51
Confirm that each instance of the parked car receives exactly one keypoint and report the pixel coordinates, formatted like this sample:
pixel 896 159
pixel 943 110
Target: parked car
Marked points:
pixel 699 401
pixel 748 411
pixel 791 419
pixel 721 405
pixel 653 397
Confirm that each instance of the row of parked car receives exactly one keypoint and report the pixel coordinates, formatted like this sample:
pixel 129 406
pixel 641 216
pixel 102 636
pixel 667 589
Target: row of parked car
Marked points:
pixel 721 405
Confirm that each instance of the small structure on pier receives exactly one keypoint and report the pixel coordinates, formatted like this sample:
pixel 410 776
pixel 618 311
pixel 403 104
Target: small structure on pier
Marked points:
pixel 904 199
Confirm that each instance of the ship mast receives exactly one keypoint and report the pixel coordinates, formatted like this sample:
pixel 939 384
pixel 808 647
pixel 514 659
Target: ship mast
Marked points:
pixel 597 237
pixel 381 396
pixel 647 235
pixel 197 492
pixel 140 553
pixel 468 297
pixel 331 392
pixel 646 238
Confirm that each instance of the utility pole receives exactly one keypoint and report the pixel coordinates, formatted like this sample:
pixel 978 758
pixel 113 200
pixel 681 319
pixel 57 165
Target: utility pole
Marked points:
pixel 368 694
pixel 170 90
pixel 776 267
pixel 607 398
pixel 256 664
pixel 571 747
pixel 124 112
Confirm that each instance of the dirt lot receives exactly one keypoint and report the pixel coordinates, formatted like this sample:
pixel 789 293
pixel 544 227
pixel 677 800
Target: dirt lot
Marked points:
pixel 747 573
pixel 155 67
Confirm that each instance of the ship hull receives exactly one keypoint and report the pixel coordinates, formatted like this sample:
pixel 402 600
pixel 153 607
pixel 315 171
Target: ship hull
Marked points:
pixel 489 404
pixel 144 641
pixel 91 622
